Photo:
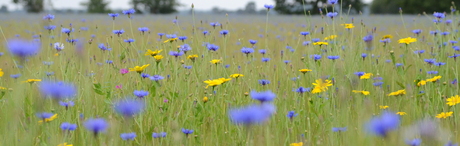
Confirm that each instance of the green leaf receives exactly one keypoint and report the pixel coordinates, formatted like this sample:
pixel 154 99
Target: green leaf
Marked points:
pixel 97 89
pixel 401 85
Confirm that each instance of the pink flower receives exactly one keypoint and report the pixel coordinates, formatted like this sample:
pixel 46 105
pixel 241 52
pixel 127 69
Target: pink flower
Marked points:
pixel 124 71
pixel 118 86
pixel 166 100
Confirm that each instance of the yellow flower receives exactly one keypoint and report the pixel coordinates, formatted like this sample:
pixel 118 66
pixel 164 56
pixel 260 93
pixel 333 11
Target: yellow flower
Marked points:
pixel 399 92
pixel 444 115
pixel 2 88
pixel 49 119
pixel 362 92
pixel 224 80
pixel 213 83
pixel 387 36
pixel 57 54
pixel 192 57
pixel 366 76
pixel 383 106
pixel 321 85
pixel 139 69
pixel 321 43
pixel 421 83
pixel 305 70
pixel 215 61
pixel 1 72
pixel 32 80
pixel 330 37
pixel 348 26
pixel 158 58
pixel 205 99
pixel 236 75
pixel 407 40
pixel 65 144
pixel 434 79
pixel 453 100
pixel 401 113
pixel 170 40
pixel 296 144
pixel 152 53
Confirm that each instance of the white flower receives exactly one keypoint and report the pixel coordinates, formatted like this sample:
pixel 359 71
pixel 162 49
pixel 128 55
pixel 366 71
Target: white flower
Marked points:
pixel 58 46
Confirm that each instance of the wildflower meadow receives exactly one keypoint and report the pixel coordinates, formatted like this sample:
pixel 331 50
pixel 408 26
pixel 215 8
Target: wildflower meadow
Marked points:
pixel 261 80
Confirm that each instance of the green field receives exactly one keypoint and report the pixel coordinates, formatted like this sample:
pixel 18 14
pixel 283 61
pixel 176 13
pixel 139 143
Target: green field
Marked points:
pixel 178 101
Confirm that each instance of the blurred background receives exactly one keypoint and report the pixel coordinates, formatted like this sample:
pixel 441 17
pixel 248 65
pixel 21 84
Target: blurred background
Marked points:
pixel 243 7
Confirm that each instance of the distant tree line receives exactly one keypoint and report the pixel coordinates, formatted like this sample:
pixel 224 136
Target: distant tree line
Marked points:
pixel 411 6
pixel 313 6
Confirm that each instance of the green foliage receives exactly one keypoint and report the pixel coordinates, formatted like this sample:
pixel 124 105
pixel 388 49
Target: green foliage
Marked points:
pixel 296 6
pixel 31 6
pixel 96 6
pixel 410 6
pixel 156 6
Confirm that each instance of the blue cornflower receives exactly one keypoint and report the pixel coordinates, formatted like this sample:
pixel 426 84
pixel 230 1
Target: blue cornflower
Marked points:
pixel 129 107
pixel 171 36
pixel 227 66
pixel 314 40
pixel 419 51
pixel 439 63
pixel 302 90
pixel 265 96
pixel 129 12
pixel 445 33
pixel 156 77
pixel 398 64
pixel 247 51
pixel 182 38
pixel 15 76
pixel 454 82
pixel 434 32
pixel 44 115
pixel 316 57
pixel 48 17
pixel 381 125
pixel 332 2
pixel 143 29
pixel 187 67
pixel 118 32
pixel 159 135
pixel 331 14
pixel 66 104
pixel 176 54
pixel 430 61
pixel 306 43
pixel 456 48
pixel 103 47
pixel 214 24
pixel 113 15
pixel 439 15
pixel 417 31
pixel 339 129
pixel 448 21
pixel 453 42
pixel 359 74
pixel 252 114
pixel 161 35
pixel 68 126
pixel 205 32
pixel 414 142
pixel 49 73
pixel 109 61
pixel 253 42
pixel 385 41
pixel 265 59
pixel 454 56
pixel 450 144
pixel 432 72
pixel 72 41
pixel 291 114
pixel 23 48
pixel 269 6
pixel 57 90
pixel 378 78
pixel 264 82
pixel 140 93
pixel 128 136
pixel 185 48
pixel 364 55
pixel 129 40
pixel 262 51
pixel 287 61
pixel 50 27
pixel 378 83
pixel 66 30
pixel 368 38
pixel 187 131
pixel 333 57
pixel 224 32
pixel 304 33
pixel 212 47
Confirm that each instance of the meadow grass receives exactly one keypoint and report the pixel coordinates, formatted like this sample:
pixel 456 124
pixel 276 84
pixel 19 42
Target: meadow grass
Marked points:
pixel 176 102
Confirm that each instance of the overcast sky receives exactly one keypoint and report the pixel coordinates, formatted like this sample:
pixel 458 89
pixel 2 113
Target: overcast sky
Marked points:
pixel 124 4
